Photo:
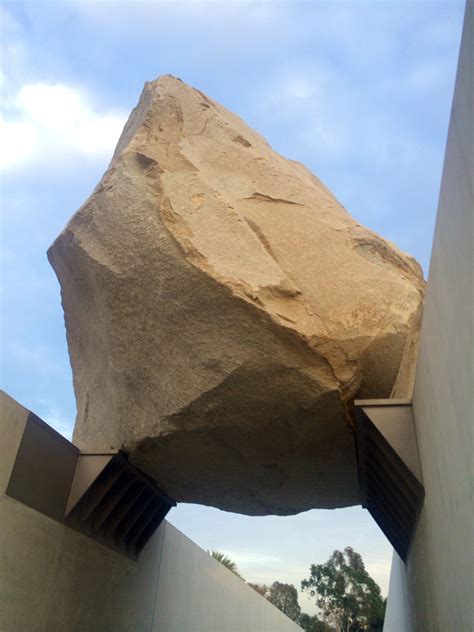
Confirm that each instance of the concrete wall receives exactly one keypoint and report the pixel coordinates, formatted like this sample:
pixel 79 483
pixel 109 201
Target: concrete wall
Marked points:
pixel 397 618
pixel 196 593
pixel 439 572
pixel 53 579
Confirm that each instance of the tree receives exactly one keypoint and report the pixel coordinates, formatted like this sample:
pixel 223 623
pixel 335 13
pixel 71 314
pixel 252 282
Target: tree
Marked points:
pixel 313 624
pixel 225 561
pixel 346 594
pixel 283 596
pixel 260 588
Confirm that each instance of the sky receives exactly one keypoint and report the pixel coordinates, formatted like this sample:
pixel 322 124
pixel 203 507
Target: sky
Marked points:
pixel 360 92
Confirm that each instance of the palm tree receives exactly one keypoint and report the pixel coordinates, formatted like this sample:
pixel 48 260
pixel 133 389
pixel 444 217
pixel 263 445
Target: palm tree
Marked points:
pixel 225 561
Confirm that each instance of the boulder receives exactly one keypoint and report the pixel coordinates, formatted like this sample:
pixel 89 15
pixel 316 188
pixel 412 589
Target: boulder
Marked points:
pixel 222 311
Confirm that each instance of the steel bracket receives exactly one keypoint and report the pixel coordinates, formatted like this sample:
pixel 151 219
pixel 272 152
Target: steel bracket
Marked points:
pixel 389 468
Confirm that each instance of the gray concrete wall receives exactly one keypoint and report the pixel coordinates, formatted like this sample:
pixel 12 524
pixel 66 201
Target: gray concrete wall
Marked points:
pixel 53 579
pixel 439 572
pixel 195 592
pixel 397 618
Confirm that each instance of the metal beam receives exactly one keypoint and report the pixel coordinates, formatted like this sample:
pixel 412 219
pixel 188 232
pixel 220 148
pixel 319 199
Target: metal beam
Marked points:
pixel 389 469
pixel 102 495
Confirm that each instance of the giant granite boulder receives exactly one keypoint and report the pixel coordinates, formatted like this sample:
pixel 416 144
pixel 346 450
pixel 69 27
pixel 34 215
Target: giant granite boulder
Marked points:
pixel 223 310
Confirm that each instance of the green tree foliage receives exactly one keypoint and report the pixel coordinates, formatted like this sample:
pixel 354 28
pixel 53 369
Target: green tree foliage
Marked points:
pixel 313 624
pixel 225 561
pixel 260 588
pixel 283 596
pixel 345 593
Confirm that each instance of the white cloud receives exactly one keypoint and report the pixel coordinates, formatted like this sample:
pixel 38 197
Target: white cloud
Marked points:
pixel 51 122
pixel 16 142
pixel 254 558
pixel 299 87
pixel 308 99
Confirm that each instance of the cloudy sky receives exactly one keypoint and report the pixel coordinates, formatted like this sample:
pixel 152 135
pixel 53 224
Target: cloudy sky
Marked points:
pixel 358 91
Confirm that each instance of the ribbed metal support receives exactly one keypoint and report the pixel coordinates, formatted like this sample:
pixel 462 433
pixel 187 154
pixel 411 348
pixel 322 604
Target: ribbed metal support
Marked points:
pixel 121 507
pixel 389 471
pixel 101 495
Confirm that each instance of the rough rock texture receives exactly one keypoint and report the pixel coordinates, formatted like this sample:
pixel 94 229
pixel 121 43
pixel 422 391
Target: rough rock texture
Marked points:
pixel 405 381
pixel 223 309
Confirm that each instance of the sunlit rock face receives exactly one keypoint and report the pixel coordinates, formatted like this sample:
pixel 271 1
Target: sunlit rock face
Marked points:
pixel 222 311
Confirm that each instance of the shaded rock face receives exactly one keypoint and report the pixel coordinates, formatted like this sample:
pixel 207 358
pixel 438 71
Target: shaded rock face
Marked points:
pixel 223 309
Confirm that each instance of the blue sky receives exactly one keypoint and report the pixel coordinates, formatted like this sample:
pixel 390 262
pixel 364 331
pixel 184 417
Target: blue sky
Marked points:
pixel 360 92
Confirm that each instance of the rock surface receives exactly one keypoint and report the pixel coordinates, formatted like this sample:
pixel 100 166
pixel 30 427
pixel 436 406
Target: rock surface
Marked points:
pixel 223 309
pixel 405 381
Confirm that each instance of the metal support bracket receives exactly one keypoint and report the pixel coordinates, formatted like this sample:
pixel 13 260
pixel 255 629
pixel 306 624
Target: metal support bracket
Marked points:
pixel 389 469
pixel 115 503
pixel 102 495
